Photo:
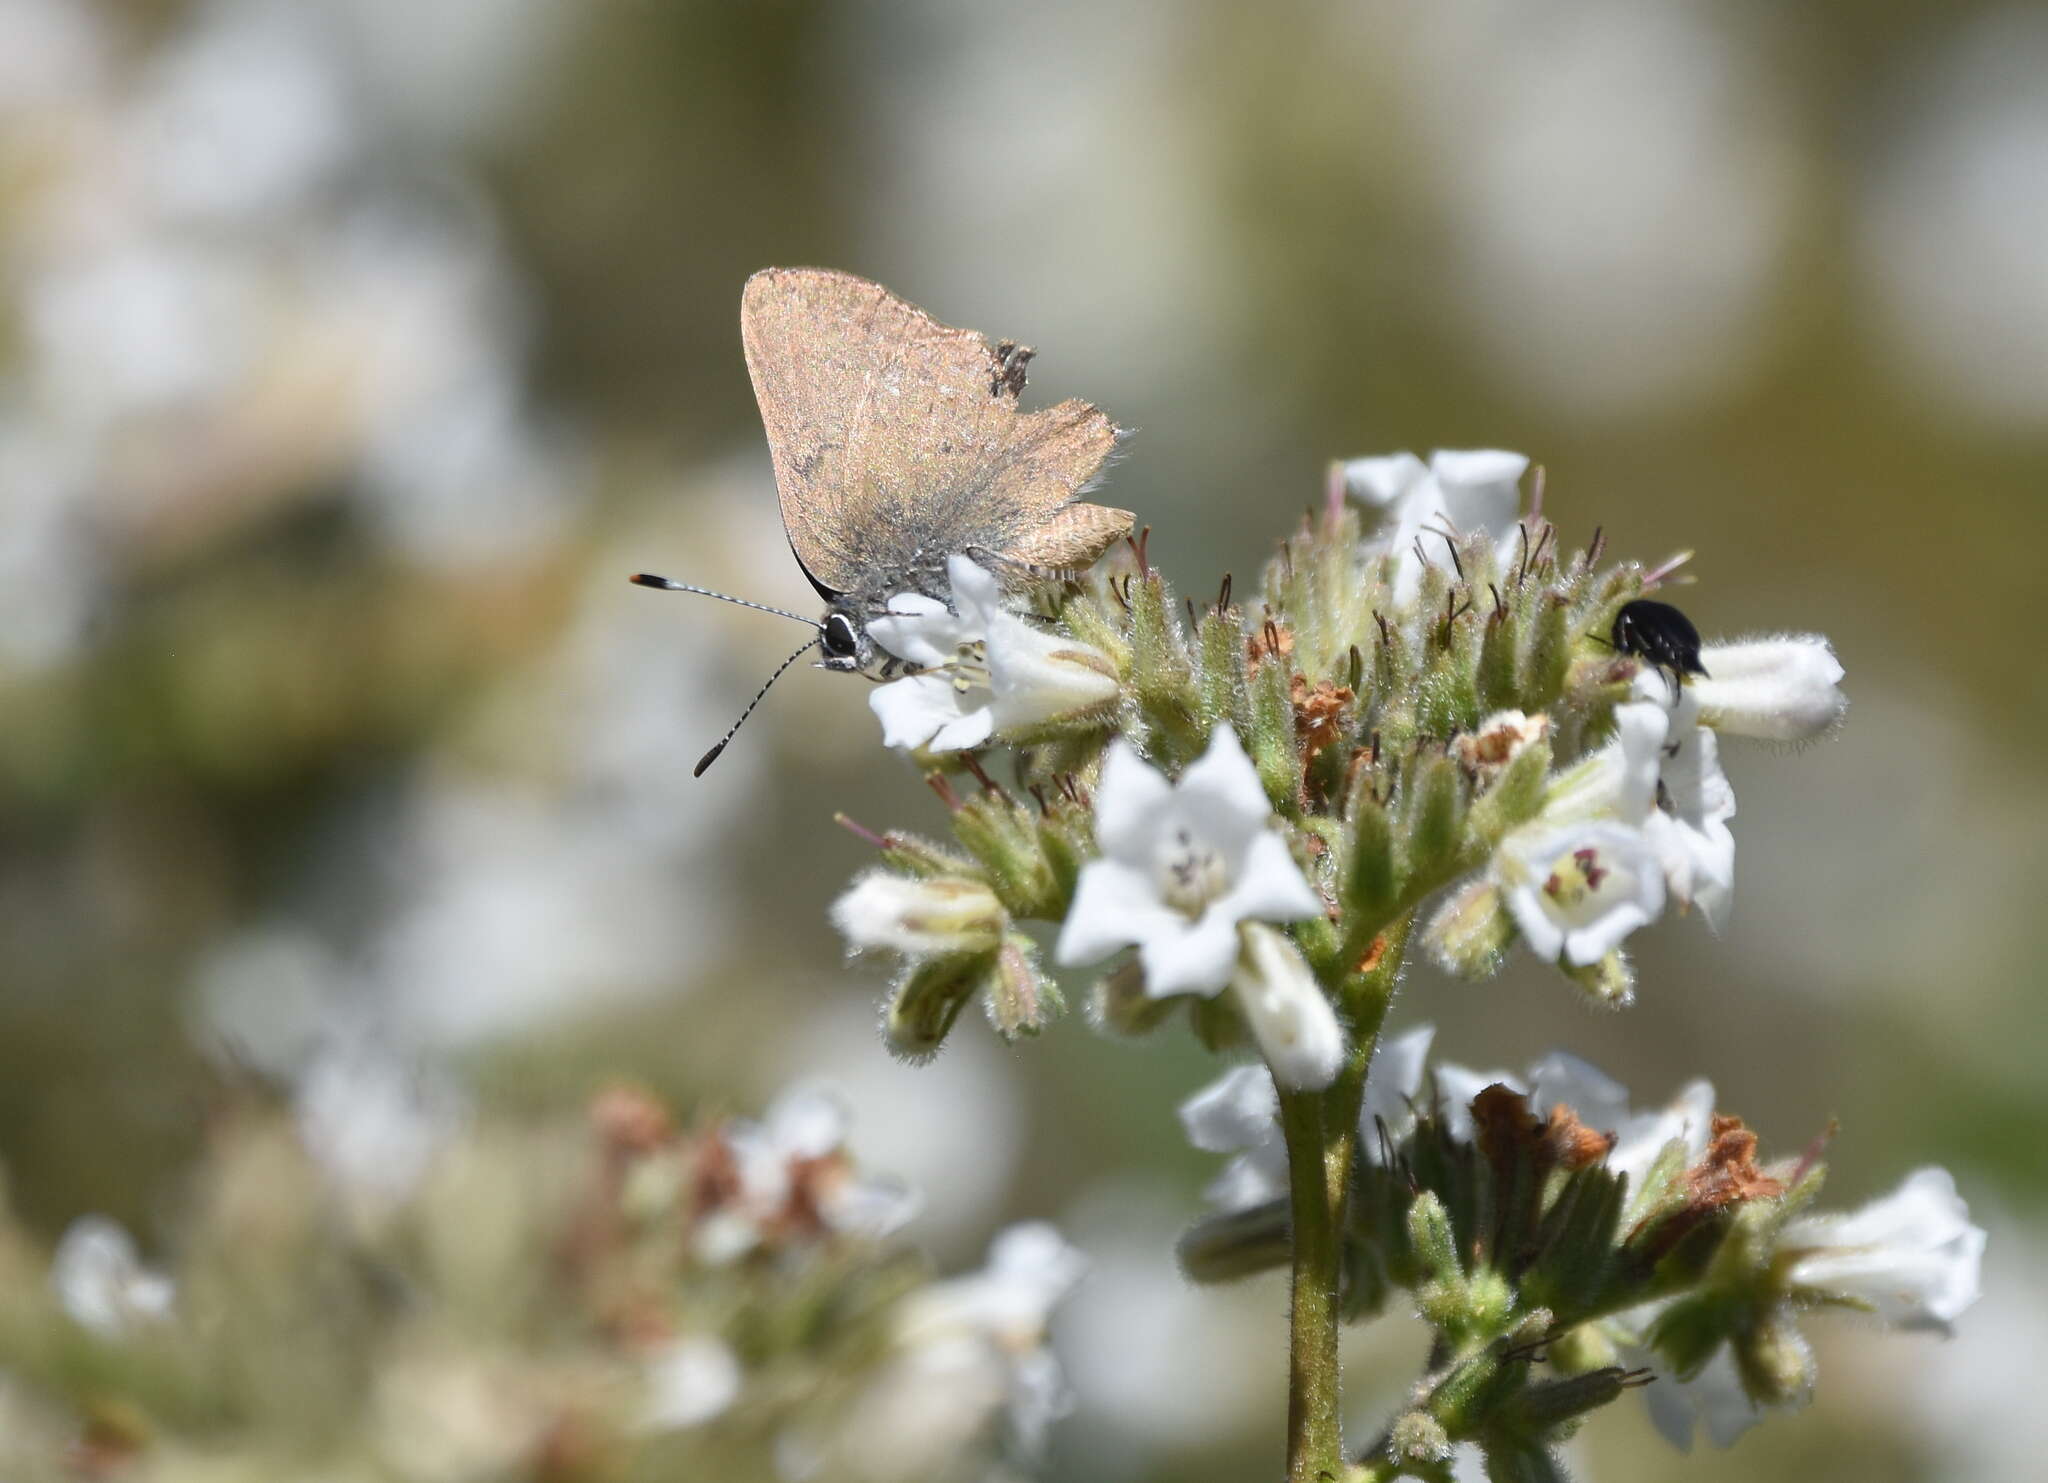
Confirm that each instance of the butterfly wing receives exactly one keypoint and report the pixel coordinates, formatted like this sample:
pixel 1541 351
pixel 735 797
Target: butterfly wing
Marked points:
pixel 897 440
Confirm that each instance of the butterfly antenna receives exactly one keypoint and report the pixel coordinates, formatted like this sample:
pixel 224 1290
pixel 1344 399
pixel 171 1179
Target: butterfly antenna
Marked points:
pixel 666 584
pixel 712 756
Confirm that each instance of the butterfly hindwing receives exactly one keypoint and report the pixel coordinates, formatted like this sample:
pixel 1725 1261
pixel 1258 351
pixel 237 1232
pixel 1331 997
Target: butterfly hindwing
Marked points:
pixel 897 440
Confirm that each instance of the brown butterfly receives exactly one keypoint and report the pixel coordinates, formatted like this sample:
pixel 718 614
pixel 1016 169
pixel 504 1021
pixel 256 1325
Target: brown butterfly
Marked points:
pixel 898 442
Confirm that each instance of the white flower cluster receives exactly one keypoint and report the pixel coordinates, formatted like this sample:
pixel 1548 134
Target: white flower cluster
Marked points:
pixel 977 669
pixel 1643 822
pixel 1912 1257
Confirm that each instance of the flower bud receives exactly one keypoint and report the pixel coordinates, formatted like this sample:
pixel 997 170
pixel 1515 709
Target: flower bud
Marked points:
pixel 1237 1243
pixel 1287 1011
pixel 943 915
pixel 1609 983
pixel 1781 689
pixel 1470 933
pixel 1775 1361
pixel 1019 999
pixel 1418 1440
pixel 925 1001
pixel 1120 1004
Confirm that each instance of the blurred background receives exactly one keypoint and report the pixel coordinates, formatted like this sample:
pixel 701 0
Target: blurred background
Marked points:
pixel 353 353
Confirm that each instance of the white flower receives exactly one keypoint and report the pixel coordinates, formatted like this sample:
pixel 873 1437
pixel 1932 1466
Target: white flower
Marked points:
pixel 1912 1257
pixel 690 1380
pixel 794 1151
pixel 970 1348
pixel 1577 889
pixel 1714 1399
pixel 1688 826
pixel 919 917
pixel 983 669
pixel 1183 866
pixel 101 1283
pixel 1779 689
pixel 372 1122
pixel 1239 1113
pixel 1457 493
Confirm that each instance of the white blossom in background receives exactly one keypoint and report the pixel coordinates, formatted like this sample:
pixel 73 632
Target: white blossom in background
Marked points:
pixel 983 670
pixel 798 1142
pixel 691 1379
pixel 1185 866
pixel 1239 1114
pixel 1712 1401
pixel 372 1120
pixel 102 1283
pixel 1776 689
pixel 1456 493
pixel 1912 1257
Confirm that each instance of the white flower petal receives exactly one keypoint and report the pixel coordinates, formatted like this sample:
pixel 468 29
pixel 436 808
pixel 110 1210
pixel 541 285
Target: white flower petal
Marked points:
pixel 1254 1177
pixel 1481 488
pixel 1038 677
pixel 1191 958
pixel 1383 480
pixel 1599 1101
pixel 1129 802
pixel 1576 890
pixel 1232 1113
pixel 1392 1086
pixel 690 1381
pixel 1912 1256
pixel 1456 1086
pixel 1221 794
pixel 1714 1397
pixel 807 1122
pixel 1114 906
pixel 1780 689
pixel 100 1281
pixel 1289 1015
pixel 976 595
pixel 1642 1137
pixel 972 727
pixel 1270 887
pixel 921 630
pixel 913 711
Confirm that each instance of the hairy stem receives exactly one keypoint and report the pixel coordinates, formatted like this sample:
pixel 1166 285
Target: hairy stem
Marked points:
pixel 1321 1131
pixel 1315 1440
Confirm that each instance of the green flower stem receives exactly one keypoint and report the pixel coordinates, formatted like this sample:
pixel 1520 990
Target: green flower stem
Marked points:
pixel 1315 1439
pixel 1321 1132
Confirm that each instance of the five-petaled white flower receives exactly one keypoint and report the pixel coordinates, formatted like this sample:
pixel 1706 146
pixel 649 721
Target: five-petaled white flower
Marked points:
pixel 981 670
pixel 1577 889
pixel 1912 1257
pixel 1185 868
pixel 1456 493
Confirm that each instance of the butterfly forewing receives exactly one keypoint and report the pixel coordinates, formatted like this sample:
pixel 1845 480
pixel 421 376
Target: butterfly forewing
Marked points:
pixel 897 440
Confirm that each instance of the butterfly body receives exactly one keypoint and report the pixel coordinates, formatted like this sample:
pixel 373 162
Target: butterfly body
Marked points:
pixel 898 442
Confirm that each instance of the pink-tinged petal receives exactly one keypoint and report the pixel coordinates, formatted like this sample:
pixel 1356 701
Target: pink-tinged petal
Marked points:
pixel 1197 958
pixel 1129 803
pixel 1270 886
pixel 1115 906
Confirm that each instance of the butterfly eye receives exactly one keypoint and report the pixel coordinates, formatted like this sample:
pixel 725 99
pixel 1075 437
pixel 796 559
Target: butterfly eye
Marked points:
pixel 839 640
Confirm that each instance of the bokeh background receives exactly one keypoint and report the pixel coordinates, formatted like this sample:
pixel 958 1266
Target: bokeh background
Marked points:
pixel 353 352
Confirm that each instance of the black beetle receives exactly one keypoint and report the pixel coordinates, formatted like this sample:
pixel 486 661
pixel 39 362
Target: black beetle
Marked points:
pixel 1661 636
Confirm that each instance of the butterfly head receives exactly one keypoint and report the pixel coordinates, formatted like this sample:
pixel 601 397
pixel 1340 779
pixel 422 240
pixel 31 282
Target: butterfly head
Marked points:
pixel 844 639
